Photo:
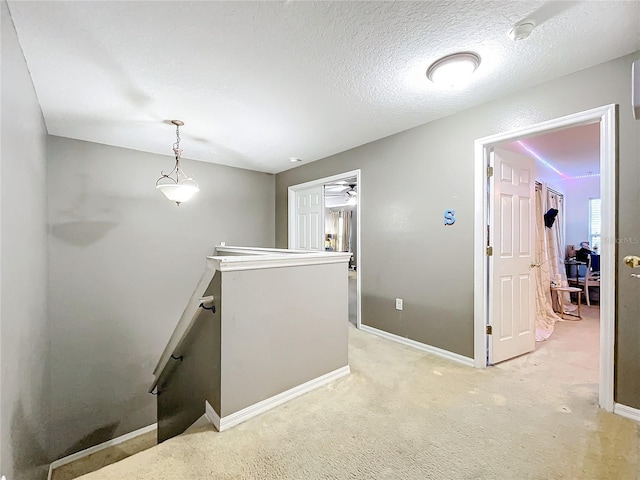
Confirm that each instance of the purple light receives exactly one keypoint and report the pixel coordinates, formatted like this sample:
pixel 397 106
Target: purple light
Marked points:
pixel 539 158
pixel 583 176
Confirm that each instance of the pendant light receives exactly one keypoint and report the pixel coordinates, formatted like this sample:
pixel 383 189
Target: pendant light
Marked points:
pixel 176 185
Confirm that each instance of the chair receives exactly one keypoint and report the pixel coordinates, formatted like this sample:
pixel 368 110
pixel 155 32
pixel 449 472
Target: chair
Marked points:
pixel 591 277
pixel 576 272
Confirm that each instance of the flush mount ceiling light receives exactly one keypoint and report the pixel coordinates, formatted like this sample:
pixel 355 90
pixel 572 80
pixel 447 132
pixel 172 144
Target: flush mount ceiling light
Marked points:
pixel 176 185
pixel 453 70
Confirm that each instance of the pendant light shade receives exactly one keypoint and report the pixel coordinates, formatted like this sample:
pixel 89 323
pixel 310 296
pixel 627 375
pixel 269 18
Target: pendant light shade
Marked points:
pixel 176 185
pixel 180 192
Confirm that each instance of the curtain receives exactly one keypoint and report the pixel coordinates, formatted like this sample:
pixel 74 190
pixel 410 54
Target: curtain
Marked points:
pixel 556 247
pixel 339 230
pixel 545 316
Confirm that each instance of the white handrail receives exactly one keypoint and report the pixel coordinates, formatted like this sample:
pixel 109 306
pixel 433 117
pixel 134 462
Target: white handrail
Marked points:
pixel 186 322
pixel 222 249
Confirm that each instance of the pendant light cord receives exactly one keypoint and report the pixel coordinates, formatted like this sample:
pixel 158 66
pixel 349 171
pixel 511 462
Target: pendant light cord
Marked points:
pixel 177 152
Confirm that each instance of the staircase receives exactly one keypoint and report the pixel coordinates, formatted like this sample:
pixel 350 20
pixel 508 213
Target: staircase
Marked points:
pixel 262 327
pixel 279 340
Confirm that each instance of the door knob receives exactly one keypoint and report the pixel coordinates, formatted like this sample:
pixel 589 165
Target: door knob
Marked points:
pixel 534 265
pixel 635 275
pixel 632 261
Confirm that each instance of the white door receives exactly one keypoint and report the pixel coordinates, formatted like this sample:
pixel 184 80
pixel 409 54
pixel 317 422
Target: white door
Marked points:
pixel 309 224
pixel 511 278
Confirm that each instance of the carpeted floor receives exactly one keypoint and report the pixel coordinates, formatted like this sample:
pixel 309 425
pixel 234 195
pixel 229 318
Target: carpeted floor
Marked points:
pixel 404 414
pixel 104 457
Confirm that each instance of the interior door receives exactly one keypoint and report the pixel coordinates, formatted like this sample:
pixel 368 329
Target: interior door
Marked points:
pixel 309 224
pixel 512 236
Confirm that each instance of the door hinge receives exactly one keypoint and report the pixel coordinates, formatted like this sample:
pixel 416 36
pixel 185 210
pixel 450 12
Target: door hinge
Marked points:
pixel 489 251
pixel 489 330
pixel 489 171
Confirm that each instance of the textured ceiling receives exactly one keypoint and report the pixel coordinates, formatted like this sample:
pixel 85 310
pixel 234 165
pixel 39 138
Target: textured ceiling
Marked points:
pixel 259 82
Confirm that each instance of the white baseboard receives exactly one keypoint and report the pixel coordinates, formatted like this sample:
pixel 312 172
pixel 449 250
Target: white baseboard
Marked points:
pixel 628 412
pixel 91 450
pixel 261 407
pixel 420 346
pixel 212 415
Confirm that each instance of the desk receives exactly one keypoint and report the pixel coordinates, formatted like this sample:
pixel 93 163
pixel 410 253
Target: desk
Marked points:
pixel 559 300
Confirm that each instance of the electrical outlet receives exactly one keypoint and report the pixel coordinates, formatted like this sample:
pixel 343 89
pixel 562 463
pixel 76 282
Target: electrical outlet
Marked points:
pixel 398 304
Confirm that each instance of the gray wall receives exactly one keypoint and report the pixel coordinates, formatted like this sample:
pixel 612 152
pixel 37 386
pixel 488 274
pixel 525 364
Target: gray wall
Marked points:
pixel 23 253
pixel 269 345
pixel 123 263
pixel 410 178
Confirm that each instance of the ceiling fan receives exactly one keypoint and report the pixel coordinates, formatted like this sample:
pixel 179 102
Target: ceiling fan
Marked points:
pixel 347 191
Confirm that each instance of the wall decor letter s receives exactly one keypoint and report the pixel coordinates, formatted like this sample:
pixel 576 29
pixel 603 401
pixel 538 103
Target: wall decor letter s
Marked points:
pixel 449 217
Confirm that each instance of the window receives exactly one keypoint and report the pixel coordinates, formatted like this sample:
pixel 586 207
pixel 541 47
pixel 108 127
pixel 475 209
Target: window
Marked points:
pixel 594 223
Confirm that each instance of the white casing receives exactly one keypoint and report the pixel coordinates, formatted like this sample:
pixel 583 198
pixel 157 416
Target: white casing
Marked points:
pixel 635 89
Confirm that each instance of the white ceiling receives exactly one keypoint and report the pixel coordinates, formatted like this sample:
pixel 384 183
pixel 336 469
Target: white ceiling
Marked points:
pixel 564 154
pixel 258 82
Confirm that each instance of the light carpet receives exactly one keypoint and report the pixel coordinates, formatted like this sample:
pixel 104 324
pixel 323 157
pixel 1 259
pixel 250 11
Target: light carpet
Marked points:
pixel 405 414
pixel 105 457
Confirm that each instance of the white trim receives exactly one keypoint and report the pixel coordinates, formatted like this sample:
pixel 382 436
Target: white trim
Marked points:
pixel 221 249
pixel 109 443
pixel 480 290
pixel 325 180
pixel 211 415
pixel 608 201
pixel 606 116
pixel 291 212
pixel 261 407
pixel 627 412
pixel 275 260
pixel 455 357
pixel 291 216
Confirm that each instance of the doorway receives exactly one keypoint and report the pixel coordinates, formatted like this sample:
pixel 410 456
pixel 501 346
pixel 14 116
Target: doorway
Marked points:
pixel 483 317
pixel 324 214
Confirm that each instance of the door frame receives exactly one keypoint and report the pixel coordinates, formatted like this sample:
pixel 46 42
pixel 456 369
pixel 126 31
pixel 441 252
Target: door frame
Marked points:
pixel 291 223
pixel 606 117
